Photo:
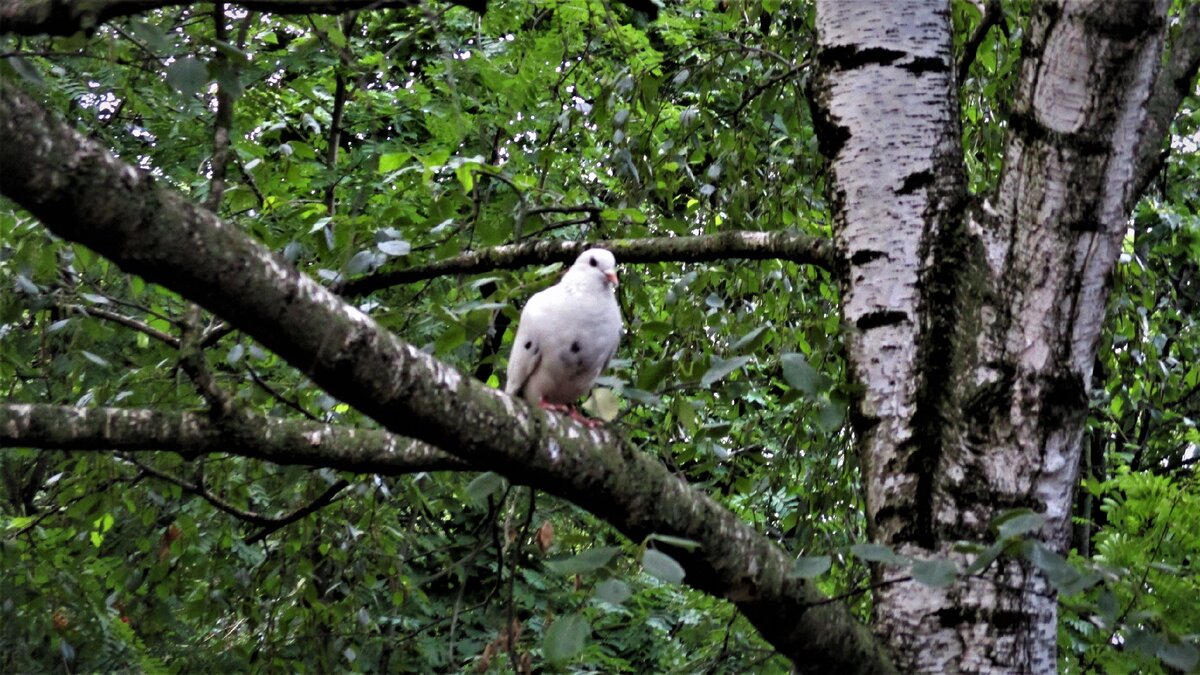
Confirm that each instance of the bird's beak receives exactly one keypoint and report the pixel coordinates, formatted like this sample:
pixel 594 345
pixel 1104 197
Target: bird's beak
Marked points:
pixel 611 275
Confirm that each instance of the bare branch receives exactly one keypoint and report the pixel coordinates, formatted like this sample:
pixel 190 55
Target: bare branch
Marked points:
pixel 223 121
pixel 325 499
pixel 193 362
pixel 1175 80
pixel 993 15
pixel 127 321
pixel 268 524
pixel 800 248
pixel 202 492
pixel 290 442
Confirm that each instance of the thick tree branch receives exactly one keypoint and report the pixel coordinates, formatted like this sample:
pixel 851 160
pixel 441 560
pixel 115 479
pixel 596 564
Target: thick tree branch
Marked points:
pixel 1176 79
pixel 67 17
pixel 84 194
pixel 801 248
pixel 291 442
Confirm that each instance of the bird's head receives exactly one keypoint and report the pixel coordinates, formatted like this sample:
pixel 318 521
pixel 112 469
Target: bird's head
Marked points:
pixel 595 265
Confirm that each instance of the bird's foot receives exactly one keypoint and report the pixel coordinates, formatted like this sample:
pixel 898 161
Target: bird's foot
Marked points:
pixel 572 412
pixel 556 407
pixel 589 422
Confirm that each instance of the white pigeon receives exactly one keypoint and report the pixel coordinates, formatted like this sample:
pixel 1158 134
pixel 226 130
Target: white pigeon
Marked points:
pixel 567 335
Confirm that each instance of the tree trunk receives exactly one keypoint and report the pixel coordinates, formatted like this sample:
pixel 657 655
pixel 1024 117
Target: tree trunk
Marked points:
pixel 973 329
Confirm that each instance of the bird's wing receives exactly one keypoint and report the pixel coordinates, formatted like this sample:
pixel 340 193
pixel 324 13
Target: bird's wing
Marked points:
pixel 528 345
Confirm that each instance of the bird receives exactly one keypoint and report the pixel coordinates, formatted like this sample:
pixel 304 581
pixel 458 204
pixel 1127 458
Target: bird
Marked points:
pixel 566 336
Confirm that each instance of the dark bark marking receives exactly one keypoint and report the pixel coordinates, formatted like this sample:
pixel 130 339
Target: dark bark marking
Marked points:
pixel 955 616
pixel 926 64
pixel 1087 222
pixel 1023 124
pixel 865 256
pixel 1066 400
pixel 880 318
pixel 915 181
pixel 831 136
pixel 988 403
pixel 1126 21
pixel 850 57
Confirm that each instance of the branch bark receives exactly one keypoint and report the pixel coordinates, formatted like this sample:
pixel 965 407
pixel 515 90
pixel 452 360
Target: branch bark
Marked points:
pixel 67 17
pixel 289 442
pixel 746 245
pixel 84 194
pixel 1176 79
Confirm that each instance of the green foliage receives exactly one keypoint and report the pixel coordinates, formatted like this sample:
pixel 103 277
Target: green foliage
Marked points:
pixel 1146 557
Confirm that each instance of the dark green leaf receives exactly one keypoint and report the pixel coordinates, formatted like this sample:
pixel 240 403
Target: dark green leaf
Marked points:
pixel 565 638
pixel 485 485
pixel 585 561
pixel 662 566
pixel 808 567
pixel 935 572
pixel 188 75
pixel 800 375
pixel 1017 522
pixel 613 591
pixel 877 553
pixel 722 367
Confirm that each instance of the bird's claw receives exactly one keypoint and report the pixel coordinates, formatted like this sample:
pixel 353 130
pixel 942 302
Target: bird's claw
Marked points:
pixel 572 412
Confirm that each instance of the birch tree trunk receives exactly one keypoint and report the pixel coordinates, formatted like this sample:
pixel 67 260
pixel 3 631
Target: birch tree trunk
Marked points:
pixel 973 328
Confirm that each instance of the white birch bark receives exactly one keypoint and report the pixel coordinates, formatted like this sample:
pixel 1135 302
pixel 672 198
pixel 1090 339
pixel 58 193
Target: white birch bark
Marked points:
pixel 973 342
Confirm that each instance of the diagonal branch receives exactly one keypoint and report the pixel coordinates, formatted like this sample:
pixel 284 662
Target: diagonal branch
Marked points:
pixel 268 524
pixel 84 194
pixel 747 245
pixel 993 15
pixel 127 321
pixel 324 499
pixel 1176 79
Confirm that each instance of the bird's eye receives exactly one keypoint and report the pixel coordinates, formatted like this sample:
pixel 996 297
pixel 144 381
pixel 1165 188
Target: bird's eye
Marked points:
pixel 592 262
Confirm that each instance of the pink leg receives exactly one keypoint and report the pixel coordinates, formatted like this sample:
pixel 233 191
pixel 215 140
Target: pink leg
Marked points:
pixel 571 412
pixel 556 407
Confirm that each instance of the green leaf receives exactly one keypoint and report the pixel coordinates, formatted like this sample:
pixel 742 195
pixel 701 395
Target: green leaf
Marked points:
pixel 613 591
pixel 935 572
pixel 391 161
pixel 188 75
pixel 565 638
pixel 662 566
pixel 808 567
pixel 722 367
pixel 360 262
pixel 584 561
pixel 985 558
pixel 831 417
pixel 603 404
pixel 485 485
pixel 679 542
pixel 1016 522
pixel 802 376
pixel 747 339
pixel 1181 656
pixel 98 360
pixel 1057 569
pixel 395 247
pixel 877 553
